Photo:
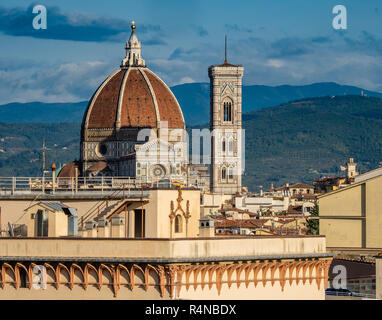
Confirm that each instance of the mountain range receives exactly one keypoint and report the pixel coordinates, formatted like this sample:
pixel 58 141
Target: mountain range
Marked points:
pixel 193 98
pixel 292 142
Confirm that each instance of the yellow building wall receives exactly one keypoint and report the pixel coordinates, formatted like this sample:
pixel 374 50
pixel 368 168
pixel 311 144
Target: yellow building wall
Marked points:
pixel 61 223
pixel 378 277
pixel 13 210
pixel 159 208
pixel 374 213
pixel 345 203
pixel 342 232
pixel 348 202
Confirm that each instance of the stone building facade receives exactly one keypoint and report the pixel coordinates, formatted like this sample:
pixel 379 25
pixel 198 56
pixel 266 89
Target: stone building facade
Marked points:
pixel 226 127
pixel 133 124
pixel 134 127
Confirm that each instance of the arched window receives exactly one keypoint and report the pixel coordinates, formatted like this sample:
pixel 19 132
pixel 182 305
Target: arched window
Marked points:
pixel 178 223
pixel 230 147
pixel 224 174
pixel 230 173
pixel 227 111
pixel 223 145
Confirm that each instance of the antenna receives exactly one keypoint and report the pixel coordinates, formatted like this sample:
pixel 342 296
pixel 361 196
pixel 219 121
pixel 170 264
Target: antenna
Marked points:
pixel 11 233
pixel 43 156
pixel 225 49
pixel 44 149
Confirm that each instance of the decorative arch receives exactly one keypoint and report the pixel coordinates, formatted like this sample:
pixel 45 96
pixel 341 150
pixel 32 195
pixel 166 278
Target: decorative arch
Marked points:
pixel 94 272
pixel 140 275
pixel 123 269
pixel 110 277
pixel 76 273
pixel 151 276
pixel 50 273
pixel 23 276
pixel 7 270
pixel 60 267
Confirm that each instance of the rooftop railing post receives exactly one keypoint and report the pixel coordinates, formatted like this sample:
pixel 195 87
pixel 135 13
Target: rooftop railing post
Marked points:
pixel 13 185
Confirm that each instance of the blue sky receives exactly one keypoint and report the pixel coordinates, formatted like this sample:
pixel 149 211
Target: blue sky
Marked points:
pixel 277 41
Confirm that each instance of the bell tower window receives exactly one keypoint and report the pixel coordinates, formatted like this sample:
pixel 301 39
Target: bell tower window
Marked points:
pixel 224 173
pixel 230 174
pixel 227 111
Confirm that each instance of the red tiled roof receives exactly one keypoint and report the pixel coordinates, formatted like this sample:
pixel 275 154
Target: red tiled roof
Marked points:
pixel 98 166
pixel 68 170
pixel 296 185
pixel 246 223
pixel 137 98
pixel 301 185
pixel 226 64
pixel 307 196
pixel 294 209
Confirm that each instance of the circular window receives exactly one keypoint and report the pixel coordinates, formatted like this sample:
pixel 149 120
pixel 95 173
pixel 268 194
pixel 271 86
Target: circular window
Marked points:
pixel 158 171
pixel 102 149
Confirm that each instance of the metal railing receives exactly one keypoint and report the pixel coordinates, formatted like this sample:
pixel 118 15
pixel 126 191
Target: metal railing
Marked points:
pixel 23 185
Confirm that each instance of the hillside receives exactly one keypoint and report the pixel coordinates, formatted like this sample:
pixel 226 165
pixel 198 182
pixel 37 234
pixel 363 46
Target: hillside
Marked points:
pixel 21 144
pixel 192 97
pixel 38 112
pixel 292 142
pixel 307 139
pixel 195 96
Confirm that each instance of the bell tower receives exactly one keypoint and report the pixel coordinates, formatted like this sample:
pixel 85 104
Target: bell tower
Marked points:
pixel 225 126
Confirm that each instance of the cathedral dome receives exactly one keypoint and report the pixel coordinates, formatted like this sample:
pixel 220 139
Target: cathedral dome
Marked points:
pixel 133 96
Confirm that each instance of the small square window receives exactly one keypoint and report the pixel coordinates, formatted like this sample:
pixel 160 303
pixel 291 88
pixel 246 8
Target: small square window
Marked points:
pixel 33 215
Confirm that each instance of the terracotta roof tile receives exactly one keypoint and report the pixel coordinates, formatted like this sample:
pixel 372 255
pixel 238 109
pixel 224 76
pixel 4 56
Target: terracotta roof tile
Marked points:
pixel 138 105
pixel 136 101
pixel 168 108
pixel 68 170
pixel 104 111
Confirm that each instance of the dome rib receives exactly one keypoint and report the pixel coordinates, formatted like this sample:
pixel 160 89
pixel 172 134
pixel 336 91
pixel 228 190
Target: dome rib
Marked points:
pixel 166 99
pixel 138 109
pixel 103 111
pixel 120 99
pixel 89 109
pixel 153 97
pixel 133 97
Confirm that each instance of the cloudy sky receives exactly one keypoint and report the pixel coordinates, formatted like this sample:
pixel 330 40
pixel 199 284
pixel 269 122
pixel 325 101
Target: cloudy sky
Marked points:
pixel 277 41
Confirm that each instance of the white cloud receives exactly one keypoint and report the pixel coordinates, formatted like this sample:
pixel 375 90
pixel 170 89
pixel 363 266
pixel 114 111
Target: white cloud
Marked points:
pixel 275 63
pixel 186 80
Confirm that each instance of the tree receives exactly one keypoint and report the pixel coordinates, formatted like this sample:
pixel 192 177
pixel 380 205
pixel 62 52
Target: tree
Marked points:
pixel 313 224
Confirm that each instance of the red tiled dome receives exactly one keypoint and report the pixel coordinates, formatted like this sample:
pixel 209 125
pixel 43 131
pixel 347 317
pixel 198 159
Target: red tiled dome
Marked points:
pixel 133 97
